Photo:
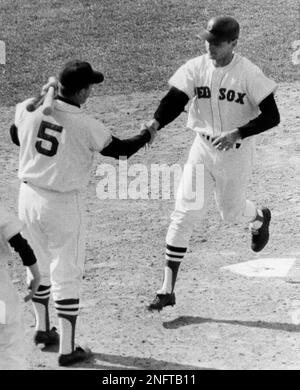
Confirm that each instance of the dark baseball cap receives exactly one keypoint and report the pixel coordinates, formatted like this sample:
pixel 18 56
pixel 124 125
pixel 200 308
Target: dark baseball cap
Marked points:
pixel 221 28
pixel 77 74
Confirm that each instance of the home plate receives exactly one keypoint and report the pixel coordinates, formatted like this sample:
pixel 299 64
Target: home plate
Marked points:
pixel 263 268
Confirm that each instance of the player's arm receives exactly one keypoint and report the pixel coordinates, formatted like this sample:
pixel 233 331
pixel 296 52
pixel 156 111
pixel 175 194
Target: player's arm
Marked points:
pixel 268 118
pixel 13 131
pixel 169 108
pixel 21 246
pixel 127 147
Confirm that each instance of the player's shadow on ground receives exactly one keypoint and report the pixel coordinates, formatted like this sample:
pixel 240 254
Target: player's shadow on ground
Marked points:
pixel 103 361
pixel 190 320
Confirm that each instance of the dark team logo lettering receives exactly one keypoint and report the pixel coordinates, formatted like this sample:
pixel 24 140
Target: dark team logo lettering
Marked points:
pixel 52 141
pixel 240 97
pixel 230 95
pixel 203 92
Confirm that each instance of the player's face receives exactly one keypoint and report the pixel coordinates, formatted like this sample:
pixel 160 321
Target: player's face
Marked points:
pixel 219 51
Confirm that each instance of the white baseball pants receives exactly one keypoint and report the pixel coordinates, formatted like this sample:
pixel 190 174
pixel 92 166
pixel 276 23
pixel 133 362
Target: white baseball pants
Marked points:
pixel 211 172
pixel 55 228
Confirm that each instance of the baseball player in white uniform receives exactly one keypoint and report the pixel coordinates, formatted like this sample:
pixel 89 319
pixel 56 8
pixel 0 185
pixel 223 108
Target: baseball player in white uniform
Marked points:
pixel 12 353
pixel 55 160
pixel 231 101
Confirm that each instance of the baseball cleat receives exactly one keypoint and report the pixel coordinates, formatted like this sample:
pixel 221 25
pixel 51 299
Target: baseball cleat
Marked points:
pixel 50 337
pixel 78 355
pixel 260 237
pixel 162 300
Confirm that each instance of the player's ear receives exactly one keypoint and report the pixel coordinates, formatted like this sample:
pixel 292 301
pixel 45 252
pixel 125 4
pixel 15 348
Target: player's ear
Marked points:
pixel 87 91
pixel 234 43
pixel 83 94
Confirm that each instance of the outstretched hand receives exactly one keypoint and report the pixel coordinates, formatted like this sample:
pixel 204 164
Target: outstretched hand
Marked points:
pixel 152 126
pixel 52 82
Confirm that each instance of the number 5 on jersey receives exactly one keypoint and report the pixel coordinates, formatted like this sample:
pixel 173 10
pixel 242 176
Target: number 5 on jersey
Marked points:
pixel 49 138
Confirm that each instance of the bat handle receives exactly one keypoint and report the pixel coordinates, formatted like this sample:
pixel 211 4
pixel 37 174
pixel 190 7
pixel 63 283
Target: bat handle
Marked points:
pixel 48 102
pixel 38 100
pixel 35 103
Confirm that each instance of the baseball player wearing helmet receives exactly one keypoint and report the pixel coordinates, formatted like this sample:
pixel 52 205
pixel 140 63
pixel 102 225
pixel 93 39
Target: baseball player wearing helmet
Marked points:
pixel 231 101
pixel 55 159
pixel 12 353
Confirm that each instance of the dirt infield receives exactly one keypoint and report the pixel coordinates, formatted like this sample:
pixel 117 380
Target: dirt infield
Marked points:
pixel 221 320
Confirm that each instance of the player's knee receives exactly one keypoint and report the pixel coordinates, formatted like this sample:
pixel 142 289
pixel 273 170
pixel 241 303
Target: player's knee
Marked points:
pixel 184 219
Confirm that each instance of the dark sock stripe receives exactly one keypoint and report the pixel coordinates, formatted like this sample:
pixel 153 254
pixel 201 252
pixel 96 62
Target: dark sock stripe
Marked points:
pixel 174 256
pixel 173 265
pixel 69 306
pixel 42 301
pixel 176 249
pixel 42 288
pixel 42 295
pixel 75 309
pixel 68 302
pixel 64 307
pixel 42 292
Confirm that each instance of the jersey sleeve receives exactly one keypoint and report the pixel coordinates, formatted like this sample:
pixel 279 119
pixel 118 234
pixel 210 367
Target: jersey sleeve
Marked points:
pixel 184 79
pixel 9 224
pixel 99 136
pixel 259 86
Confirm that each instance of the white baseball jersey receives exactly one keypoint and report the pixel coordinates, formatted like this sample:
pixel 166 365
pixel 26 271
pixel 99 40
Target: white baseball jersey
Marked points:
pixel 56 151
pixel 223 98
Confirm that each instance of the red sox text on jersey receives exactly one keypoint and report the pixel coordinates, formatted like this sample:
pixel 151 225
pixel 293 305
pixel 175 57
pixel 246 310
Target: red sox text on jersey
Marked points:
pixel 230 95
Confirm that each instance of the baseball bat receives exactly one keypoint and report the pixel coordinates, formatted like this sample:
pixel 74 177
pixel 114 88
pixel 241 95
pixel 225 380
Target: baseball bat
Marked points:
pixel 38 100
pixel 35 103
pixel 48 102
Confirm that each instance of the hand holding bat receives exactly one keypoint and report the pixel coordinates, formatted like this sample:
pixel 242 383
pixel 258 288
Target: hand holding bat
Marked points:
pixel 45 98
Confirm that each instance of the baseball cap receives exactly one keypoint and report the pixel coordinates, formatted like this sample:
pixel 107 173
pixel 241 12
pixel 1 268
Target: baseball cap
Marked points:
pixel 221 28
pixel 78 74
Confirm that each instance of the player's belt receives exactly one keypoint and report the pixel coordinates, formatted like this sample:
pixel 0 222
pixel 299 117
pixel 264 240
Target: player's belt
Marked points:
pixel 211 139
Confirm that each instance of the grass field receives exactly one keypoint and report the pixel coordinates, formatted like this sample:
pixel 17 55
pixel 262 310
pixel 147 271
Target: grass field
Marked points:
pixel 137 43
